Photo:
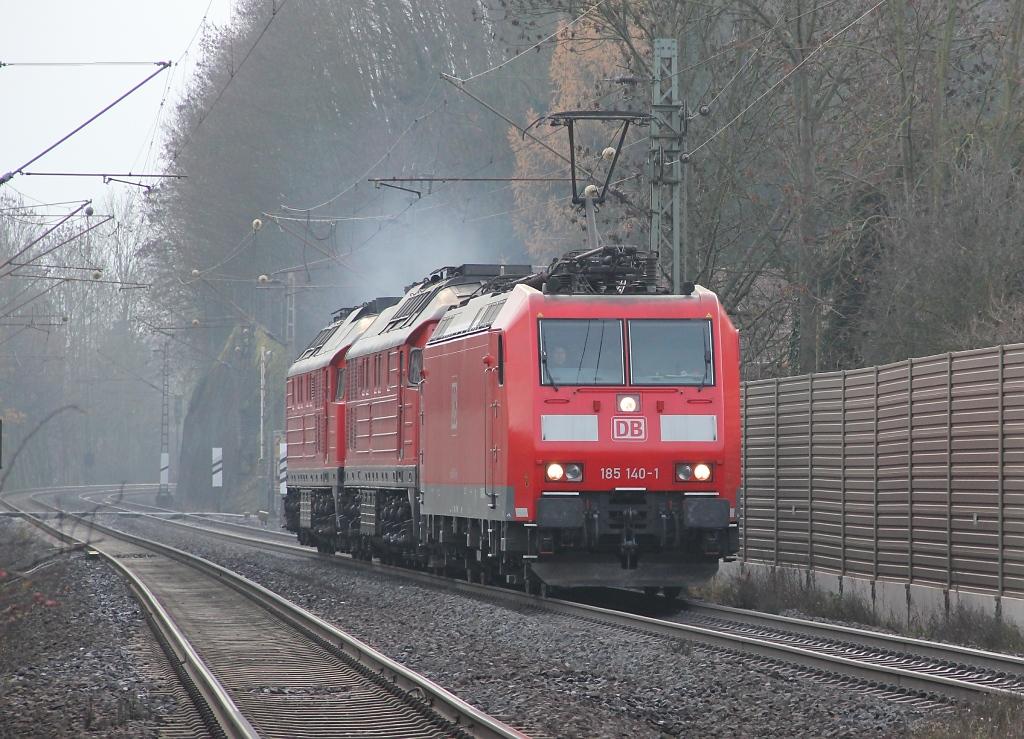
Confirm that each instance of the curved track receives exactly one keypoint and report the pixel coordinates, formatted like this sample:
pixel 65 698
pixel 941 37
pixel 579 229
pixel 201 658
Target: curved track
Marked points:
pixel 897 668
pixel 265 667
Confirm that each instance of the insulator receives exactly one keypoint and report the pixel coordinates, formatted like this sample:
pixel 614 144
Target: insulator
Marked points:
pixel 651 268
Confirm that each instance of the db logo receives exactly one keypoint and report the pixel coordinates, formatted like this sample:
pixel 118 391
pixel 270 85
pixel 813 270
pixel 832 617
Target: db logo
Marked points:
pixel 629 429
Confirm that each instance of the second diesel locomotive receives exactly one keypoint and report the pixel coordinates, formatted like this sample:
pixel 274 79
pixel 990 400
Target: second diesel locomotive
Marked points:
pixel 576 427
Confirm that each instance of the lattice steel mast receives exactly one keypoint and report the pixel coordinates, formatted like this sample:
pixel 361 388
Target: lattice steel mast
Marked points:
pixel 667 157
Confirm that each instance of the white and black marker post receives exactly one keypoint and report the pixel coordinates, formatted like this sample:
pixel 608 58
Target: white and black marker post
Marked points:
pixel 165 471
pixel 282 469
pixel 218 467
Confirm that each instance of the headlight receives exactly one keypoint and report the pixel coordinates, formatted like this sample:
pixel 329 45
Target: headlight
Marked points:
pixel 628 403
pixel 686 471
pixel 555 472
pixel 573 472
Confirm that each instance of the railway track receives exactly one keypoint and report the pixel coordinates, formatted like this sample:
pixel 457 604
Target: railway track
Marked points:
pixel 258 665
pixel 1001 673
pixel 897 668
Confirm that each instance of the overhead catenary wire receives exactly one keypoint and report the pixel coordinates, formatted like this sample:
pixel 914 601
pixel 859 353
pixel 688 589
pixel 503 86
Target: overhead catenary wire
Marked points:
pixel 26 196
pixel 468 179
pixel 339 259
pixel 157 119
pixel 54 248
pixel 125 285
pixel 43 235
pixel 8 312
pixel 735 44
pixel 394 217
pixel 460 85
pixel 173 337
pixel 33 323
pixel 235 251
pixel 778 83
pixel 738 72
pixel 54 266
pixel 373 166
pixel 16 333
pixel 324 219
pixel 556 200
pixel 18 170
pixel 195 33
pixel 43 205
pixel 103 174
pixel 547 38
pixel 451 201
pixel 77 64
pixel 276 8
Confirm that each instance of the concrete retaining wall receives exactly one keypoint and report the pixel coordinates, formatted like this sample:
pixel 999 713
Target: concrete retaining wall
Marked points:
pixel 899 602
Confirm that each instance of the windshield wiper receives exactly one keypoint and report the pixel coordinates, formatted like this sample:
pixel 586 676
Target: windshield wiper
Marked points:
pixel 547 371
pixel 707 358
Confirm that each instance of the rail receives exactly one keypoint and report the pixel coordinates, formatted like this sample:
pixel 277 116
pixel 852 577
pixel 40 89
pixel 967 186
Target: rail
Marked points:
pixel 920 668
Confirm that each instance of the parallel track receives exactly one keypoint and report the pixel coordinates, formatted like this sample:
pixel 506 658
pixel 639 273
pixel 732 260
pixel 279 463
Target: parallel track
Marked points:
pixel 269 668
pixel 897 668
pixel 1002 673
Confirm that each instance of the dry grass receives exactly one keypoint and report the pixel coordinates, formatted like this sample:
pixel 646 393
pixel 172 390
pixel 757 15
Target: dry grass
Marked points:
pixel 993 719
pixel 784 590
pixel 972 627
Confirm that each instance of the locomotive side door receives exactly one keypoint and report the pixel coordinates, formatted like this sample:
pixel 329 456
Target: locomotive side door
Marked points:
pixel 494 418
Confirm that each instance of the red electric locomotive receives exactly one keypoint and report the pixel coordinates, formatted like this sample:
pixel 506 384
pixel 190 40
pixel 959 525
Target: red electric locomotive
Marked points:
pixel 314 418
pixel 571 428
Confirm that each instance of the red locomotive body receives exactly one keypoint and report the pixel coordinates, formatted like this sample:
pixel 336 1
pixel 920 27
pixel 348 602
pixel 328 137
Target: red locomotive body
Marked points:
pixel 583 434
pixel 315 419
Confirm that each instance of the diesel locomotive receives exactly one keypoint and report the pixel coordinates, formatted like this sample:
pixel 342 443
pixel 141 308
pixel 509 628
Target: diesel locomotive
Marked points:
pixel 576 426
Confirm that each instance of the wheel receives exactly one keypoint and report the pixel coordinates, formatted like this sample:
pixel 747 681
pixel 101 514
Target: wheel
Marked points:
pixel 650 592
pixel 671 593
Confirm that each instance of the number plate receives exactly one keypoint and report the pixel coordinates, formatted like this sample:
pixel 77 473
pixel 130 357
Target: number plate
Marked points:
pixel 630 474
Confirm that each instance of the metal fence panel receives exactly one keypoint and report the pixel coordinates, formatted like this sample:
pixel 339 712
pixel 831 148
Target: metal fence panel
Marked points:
pixel 911 471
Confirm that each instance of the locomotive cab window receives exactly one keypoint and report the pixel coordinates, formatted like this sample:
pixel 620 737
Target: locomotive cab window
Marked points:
pixel 580 352
pixel 415 366
pixel 670 352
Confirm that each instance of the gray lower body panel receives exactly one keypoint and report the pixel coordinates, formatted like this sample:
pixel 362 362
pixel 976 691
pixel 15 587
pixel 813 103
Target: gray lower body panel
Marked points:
pixel 468 501
pixel 581 570
pixel 381 477
pixel 324 477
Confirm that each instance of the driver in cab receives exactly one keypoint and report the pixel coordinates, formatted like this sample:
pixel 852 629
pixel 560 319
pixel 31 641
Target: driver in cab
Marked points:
pixel 559 369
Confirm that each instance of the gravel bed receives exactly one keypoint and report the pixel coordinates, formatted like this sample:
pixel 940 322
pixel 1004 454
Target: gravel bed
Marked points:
pixel 76 655
pixel 551 675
